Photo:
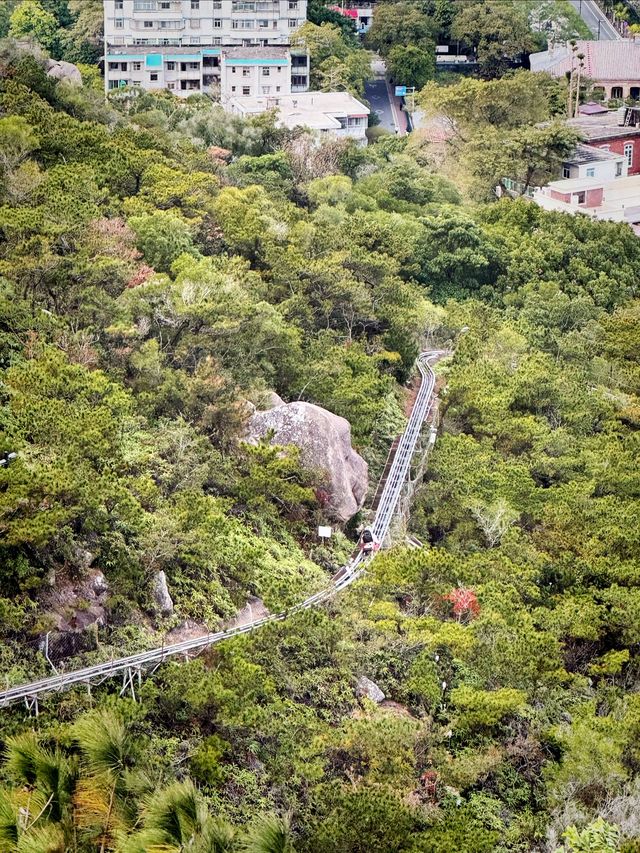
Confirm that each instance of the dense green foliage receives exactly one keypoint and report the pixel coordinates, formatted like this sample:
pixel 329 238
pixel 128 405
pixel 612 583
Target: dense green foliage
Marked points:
pixel 149 288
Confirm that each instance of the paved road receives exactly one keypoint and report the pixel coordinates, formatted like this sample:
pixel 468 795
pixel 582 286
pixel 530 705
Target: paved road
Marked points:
pixel 378 96
pixel 596 20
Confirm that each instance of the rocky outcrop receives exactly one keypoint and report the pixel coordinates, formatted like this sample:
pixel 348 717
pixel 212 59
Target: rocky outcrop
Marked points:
pixel 254 609
pixel 160 594
pixel 188 629
pixel 75 610
pixel 367 689
pixel 324 440
pixel 64 71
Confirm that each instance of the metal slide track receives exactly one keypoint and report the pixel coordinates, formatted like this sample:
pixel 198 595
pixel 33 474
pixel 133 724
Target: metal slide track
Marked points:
pixel 131 667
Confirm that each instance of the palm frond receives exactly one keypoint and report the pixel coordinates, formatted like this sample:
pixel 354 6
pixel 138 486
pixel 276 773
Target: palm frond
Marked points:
pixel 9 822
pixel 177 813
pixel 50 771
pixel 22 753
pixel 106 744
pixel 217 836
pixel 44 839
pixel 269 834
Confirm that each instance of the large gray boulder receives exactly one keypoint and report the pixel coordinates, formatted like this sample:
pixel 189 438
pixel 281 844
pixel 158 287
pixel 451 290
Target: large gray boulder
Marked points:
pixel 324 440
pixel 367 689
pixel 160 593
pixel 66 71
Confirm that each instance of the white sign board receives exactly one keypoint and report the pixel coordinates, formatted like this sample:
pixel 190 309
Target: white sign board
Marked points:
pixel 324 532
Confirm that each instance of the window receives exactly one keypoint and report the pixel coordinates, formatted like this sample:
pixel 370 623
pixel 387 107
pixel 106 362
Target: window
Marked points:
pixel 148 25
pixel 171 85
pixel 293 4
pixel 217 4
pixel 194 40
pixel 164 5
pixel 266 90
pixel 293 23
pixel 277 88
pixel 137 66
pixel 217 40
pixel 153 77
pixel 616 93
pixel 194 23
pixel 266 71
pixel 137 82
pixel 119 23
pixel 579 197
pixel 233 88
pixel 195 4
pixel 171 66
pixel 246 90
pixel 566 171
pixel 263 23
pixel 618 169
pixel 217 23
pixel 246 72
pixel 119 4
pixel 233 69
pixel 628 153
pixel 591 173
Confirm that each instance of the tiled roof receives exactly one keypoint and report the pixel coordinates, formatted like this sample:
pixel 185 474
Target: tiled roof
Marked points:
pixel 605 126
pixel 603 60
pixel 588 154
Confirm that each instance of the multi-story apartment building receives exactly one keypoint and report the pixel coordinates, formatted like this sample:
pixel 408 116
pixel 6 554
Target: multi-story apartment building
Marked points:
pixel 180 45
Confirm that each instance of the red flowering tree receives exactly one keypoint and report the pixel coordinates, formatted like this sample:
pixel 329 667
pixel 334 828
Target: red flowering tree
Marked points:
pixel 464 603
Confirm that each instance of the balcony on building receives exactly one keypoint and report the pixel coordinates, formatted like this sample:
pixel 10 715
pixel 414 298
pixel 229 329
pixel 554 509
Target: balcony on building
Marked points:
pixel 154 26
pixel 140 6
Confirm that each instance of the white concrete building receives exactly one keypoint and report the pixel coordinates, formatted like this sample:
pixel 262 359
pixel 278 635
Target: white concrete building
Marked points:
pixel 616 200
pixel 266 72
pixel 590 162
pixel 336 114
pixel 177 44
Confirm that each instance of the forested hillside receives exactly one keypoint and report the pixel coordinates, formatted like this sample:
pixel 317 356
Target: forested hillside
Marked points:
pixel 163 266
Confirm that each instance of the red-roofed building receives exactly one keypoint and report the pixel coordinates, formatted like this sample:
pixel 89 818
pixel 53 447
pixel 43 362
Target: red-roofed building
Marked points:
pixel 612 66
pixel 615 131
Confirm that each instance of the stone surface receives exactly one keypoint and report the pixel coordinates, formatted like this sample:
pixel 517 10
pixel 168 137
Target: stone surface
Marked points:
pixel 160 593
pixel 324 440
pixel 82 558
pixel 273 400
pixel 66 71
pixel 365 688
pixel 75 609
pixel 254 609
pixel 186 630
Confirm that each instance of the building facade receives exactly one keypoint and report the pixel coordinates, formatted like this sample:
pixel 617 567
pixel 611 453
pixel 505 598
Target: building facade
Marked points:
pixel 616 131
pixel 612 67
pixel 615 201
pixel 179 45
pixel 588 161
pixel 336 114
